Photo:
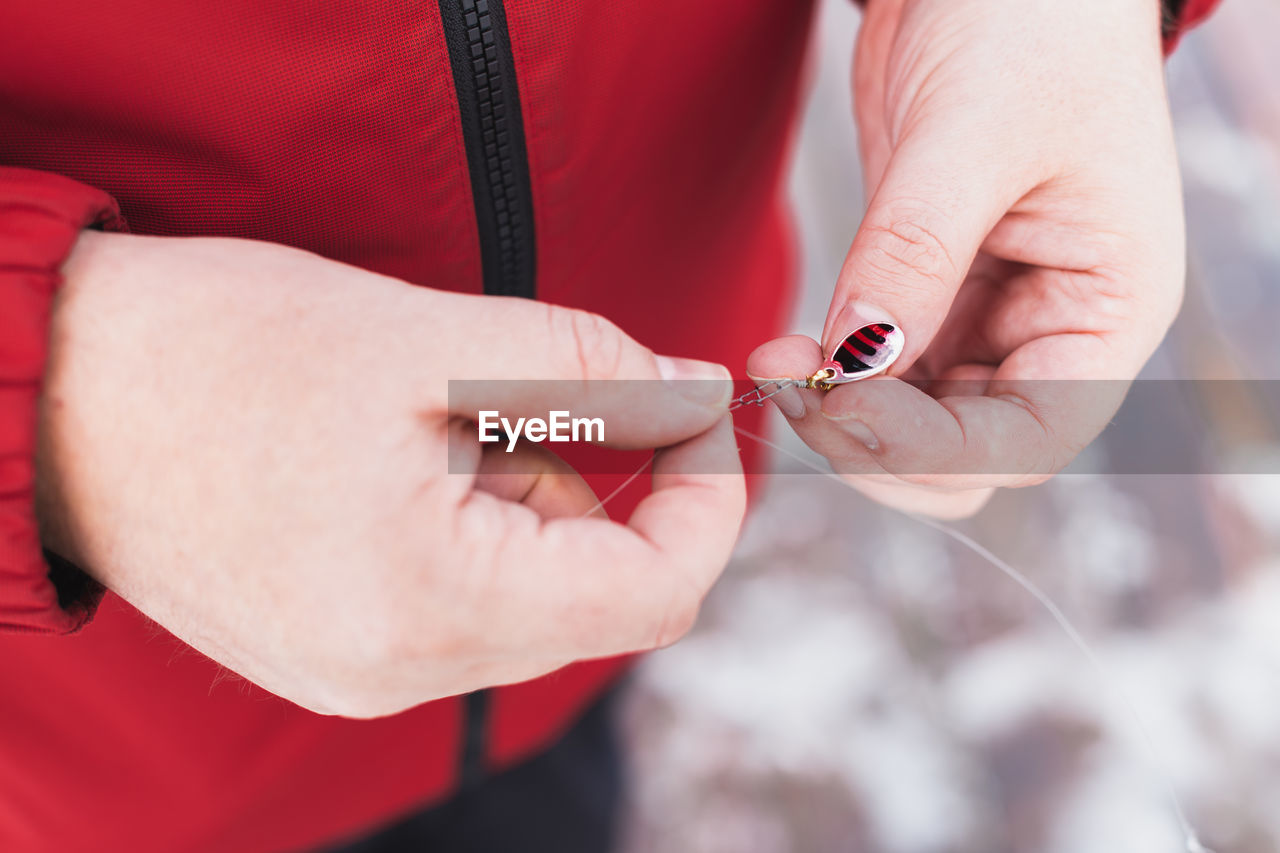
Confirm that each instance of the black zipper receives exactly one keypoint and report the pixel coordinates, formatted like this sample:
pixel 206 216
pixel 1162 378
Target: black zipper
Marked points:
pixel 472 765
pixel 489 104
pixel 492 130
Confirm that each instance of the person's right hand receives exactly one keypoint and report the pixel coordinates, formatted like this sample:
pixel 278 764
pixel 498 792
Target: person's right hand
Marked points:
pixel 249 443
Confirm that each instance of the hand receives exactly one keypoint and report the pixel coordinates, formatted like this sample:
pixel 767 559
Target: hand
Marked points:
pixel 1025 224
pixel 249 443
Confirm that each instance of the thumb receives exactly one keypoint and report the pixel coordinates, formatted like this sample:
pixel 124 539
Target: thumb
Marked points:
pixel 528 359
pixel 932 211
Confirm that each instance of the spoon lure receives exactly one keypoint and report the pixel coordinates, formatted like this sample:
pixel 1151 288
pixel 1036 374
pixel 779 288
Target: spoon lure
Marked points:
pixel 866 351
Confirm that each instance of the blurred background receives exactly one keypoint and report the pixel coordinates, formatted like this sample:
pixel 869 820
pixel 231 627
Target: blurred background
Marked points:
pixel 926 704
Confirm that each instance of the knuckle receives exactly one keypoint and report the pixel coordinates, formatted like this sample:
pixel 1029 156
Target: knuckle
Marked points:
pixel 902 249
pixel 596 346
pixel 1048 453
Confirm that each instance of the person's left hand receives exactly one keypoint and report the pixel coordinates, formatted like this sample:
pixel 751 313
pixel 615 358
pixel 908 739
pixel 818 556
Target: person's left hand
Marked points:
pixel 1025 224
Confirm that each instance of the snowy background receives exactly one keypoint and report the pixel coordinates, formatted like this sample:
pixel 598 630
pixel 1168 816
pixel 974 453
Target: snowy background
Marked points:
pixel 926 704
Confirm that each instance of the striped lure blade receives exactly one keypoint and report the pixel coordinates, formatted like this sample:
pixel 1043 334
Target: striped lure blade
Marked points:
pixel 866 351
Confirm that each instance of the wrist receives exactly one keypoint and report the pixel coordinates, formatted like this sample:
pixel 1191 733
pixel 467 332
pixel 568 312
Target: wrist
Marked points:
pixel 72 323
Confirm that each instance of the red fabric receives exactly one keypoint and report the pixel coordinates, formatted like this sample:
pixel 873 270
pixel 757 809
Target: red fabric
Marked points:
pixel 1191 14
pixel 40 217
pixel 656 139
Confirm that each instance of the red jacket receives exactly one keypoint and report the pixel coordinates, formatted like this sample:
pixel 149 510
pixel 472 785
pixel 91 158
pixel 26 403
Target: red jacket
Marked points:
pixel 621 157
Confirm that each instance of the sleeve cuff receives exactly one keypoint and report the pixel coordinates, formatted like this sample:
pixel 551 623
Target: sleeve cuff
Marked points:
pixel 41 216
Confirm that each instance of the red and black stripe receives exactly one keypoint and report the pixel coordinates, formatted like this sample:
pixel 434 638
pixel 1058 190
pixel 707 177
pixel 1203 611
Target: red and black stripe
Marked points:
pixel 866 342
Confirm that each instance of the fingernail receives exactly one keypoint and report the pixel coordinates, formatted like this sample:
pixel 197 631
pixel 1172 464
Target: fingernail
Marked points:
pixel 703 382
pixel 858 430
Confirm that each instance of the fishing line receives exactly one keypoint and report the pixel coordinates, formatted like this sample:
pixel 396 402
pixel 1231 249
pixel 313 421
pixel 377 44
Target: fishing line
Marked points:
pixel 627 482
pixel 1109 685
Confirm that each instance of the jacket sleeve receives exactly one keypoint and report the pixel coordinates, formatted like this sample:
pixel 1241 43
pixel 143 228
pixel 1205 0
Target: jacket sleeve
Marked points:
pixel 1182 15
pixel 41 215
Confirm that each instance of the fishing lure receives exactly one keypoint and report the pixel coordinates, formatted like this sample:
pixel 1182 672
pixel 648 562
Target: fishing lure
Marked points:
pixel 866 351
